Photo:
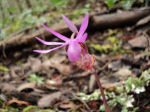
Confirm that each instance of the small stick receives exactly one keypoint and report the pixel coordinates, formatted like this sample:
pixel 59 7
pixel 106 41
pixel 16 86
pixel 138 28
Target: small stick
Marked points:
pixel 101 90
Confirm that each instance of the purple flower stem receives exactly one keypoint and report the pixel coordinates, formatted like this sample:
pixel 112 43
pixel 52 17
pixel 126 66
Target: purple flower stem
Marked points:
pixel 101 90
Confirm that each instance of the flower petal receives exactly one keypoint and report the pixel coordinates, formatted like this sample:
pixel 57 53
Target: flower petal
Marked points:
pixel 47 51
pixel 71 26
pixel 83 27
pixel 64 38
pixel 48 43
pixel 83 38
pixel 73 51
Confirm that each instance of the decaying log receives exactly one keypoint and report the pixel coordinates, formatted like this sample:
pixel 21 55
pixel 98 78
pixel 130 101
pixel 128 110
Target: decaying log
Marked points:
pixel 96 22
pixel 119 19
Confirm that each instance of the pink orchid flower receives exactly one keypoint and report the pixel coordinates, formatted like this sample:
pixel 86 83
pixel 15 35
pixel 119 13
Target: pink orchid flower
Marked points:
pixel 76 50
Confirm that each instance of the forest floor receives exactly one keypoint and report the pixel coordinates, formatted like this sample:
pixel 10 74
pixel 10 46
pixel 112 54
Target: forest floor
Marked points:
pixel 30 82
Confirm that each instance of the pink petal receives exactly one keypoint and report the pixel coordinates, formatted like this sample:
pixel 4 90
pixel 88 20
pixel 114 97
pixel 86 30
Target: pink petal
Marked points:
pixel 71 26
pixel 48 43
pixel 56 34
pixel 83 26
pixel 73 51
pixel 47 51
pixel 83 38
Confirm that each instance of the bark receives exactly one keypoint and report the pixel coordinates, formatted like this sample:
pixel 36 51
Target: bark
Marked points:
pixel 119 19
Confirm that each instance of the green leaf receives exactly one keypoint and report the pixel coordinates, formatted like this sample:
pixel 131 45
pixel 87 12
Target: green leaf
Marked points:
pixel 2 35
pixel 145 77
pixel 3 68
pixel 135 109
pixel 36 78
pixel 110 3
pixel 39 9
pixel 59 3
pixel 28 108
pixel 127 4
pixel 112 39
pixel 79 12
pixel 94 96
pixel 134 84
pixel 101 48
pixel 10 109
pixel 36 109
pixel 12 9
pixel 102 108
pixel 5 21
pixel 124 109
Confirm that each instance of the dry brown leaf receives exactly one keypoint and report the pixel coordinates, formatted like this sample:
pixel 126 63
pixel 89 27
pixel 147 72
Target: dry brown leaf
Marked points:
pixel 7 87
pixel 139 42
pixel 26 86
pixel 18 102
pixel 67 104
pixel 143 21
pixel 115 79
pixel 55 81
pixel 49 100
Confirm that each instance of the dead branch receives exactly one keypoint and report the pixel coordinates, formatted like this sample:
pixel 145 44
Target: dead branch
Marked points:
pixel 124 18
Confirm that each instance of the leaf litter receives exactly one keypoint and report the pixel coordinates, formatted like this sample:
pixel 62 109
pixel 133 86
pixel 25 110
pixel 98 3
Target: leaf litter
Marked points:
pixel 50 81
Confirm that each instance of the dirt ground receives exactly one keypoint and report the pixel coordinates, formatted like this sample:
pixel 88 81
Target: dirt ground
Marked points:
pixel 40 82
